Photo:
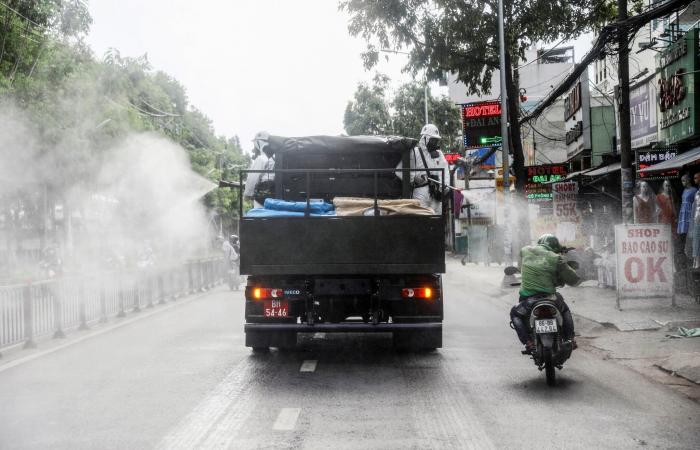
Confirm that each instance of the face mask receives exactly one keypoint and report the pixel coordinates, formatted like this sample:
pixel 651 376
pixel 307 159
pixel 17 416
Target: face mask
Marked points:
pixel 433 145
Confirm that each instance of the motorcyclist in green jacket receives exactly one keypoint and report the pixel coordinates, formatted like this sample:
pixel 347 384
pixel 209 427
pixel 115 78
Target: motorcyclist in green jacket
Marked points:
pixel 543 270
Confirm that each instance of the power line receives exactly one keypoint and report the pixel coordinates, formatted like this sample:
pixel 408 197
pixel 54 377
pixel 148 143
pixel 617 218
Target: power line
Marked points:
pixel 608 34
pixel 549 79
pixel 23 16
pixel 542 55
pixel 549 138
pixel 158 110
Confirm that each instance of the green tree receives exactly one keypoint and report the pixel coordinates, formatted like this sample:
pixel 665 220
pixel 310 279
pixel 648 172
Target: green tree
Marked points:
pixel 368 112
pixel 29 28
pixel 372 112
pixel 461 36
pixel 77 106
pixel 408 116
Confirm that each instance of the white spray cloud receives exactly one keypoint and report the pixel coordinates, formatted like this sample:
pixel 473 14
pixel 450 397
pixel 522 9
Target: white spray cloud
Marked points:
pixel 121 195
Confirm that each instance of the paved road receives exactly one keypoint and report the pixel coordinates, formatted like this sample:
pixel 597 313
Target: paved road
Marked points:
pixel 182 379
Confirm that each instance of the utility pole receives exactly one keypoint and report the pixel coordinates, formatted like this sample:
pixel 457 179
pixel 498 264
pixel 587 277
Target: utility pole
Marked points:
pixel 624 116
pixel 504 135
pixel 425 99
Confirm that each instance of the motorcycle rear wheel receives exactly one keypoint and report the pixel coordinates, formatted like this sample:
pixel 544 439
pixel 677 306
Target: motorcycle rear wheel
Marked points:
pixel 549 369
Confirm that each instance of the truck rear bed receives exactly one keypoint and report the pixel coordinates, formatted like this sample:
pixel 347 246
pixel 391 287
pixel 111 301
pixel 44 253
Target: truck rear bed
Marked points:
pixel 342 245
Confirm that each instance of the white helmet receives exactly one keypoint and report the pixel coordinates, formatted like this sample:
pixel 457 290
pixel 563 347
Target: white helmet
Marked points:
pixel 430 131
pixel 261 139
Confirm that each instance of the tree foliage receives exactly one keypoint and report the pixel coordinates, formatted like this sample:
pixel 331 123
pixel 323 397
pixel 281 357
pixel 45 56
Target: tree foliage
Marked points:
pixel 368 112
pixel 408 114
pixel 461 37
pixel 372 111
pixel 80 104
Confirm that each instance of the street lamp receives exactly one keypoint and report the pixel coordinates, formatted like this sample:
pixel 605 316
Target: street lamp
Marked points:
pixel 504 133
pixel 425 85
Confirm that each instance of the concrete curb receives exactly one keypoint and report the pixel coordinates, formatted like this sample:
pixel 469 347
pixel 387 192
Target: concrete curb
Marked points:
pixel 684 365
pixel 74 338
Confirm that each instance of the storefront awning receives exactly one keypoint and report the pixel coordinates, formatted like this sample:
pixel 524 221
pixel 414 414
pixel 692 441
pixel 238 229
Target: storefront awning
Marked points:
pixel 614 167
pixel 677 163
pixel 569 176
pixel 575 174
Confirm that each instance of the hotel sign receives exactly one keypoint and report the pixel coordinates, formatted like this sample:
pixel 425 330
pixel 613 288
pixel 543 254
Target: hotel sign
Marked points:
pixel 481 124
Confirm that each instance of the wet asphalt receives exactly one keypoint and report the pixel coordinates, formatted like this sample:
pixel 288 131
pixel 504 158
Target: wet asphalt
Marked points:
pixel 182 379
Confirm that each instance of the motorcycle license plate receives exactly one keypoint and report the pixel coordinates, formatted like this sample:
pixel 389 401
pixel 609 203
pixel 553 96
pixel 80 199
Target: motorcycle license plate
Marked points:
pixel 276 308
pixel 546 326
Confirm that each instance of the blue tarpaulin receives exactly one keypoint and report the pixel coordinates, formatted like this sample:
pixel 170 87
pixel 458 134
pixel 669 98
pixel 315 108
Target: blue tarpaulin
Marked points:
pixel 315 206
pixel 282 208
pixel 490 162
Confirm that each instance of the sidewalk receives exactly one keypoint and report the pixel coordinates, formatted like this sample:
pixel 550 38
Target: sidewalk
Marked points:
pixel 639 335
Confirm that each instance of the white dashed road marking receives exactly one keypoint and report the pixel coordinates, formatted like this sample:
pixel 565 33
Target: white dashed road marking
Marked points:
pixel 215 415
pixel 309 365
pixel 319 335
pixel 287 419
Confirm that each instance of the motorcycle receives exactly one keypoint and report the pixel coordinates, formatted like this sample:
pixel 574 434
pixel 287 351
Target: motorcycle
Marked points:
pixel 545 327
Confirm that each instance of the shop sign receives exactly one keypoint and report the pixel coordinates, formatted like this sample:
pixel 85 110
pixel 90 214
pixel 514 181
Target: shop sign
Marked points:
pixel 481 124
pixel 644 260
pixel 676 52
pixel 565 200
pixel 643 118
pixel 572 102
pixel 577 118
pixel 538 187
pixel 650 157
pixel 676 99
pixel 576 132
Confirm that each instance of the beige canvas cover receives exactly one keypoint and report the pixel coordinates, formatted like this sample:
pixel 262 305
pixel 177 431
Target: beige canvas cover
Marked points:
pixel 351 206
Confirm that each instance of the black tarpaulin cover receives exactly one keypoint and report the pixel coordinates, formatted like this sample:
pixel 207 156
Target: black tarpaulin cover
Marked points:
pixel 339 152
pixel 341 144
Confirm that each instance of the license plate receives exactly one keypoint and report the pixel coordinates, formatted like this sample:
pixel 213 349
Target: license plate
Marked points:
pixel 276 308
pixel 546 326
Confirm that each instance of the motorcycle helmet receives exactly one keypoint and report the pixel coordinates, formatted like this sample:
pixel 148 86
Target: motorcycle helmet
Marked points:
pixel 550 242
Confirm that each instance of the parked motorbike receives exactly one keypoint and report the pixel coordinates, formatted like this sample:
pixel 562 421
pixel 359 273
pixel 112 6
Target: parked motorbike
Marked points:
pixel 545 326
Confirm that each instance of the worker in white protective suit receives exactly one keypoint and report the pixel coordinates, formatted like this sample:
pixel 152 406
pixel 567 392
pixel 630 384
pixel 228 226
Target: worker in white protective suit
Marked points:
pixel 427 154
pixel 259 185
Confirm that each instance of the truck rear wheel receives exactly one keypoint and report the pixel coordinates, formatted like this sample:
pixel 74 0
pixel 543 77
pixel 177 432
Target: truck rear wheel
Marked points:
pixel 417 340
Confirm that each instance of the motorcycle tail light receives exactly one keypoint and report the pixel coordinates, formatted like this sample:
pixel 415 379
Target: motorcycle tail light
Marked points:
pixel 545 311
pixel 260 293
pixel 421 292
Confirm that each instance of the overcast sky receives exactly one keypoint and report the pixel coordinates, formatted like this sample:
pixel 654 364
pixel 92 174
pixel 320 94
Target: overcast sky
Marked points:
pixel 286 66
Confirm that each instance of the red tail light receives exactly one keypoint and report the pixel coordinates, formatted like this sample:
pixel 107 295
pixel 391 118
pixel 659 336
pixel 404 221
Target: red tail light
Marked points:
pixel 266 293
pixel 421 292
pixel 545 311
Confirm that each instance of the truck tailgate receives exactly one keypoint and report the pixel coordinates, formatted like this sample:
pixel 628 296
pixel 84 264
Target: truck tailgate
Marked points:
pixel 347 245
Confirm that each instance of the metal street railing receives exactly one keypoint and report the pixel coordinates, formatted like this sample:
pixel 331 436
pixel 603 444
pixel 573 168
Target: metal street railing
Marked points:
pixel 53 307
